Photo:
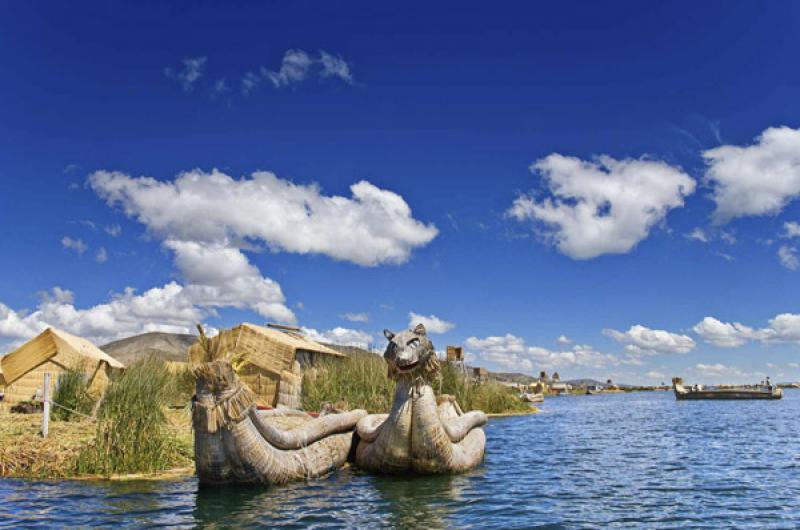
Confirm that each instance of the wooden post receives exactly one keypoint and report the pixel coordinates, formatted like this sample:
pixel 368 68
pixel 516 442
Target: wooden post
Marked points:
pixel 46 415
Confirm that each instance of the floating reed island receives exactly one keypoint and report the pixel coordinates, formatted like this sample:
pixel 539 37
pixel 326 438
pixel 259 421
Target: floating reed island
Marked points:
pixel 110 421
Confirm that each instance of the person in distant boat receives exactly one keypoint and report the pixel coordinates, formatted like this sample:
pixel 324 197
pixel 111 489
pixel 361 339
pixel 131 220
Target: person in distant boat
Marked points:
pixel 769 383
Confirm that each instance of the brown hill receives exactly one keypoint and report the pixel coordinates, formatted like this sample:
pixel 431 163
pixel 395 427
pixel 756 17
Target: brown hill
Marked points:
pixel 167 346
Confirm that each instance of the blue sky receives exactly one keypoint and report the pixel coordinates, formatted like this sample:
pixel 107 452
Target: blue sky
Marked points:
pixel 622 176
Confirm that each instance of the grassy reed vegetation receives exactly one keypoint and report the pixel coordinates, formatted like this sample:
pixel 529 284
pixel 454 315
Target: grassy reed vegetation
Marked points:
pixel 361 382
pixel 356 382
pixel 72 392
pixel 488 396
pixel 133 434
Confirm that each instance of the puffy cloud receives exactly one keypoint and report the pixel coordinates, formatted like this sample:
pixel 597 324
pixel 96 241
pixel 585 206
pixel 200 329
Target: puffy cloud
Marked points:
pixel 759 179
pixel 101 256
pixel 506 351
pixel 298 66
pixel 74 244
pixel 372 227
pixel 432 323
pixel 356 317
pixel 724 334
pixel 209 219
pixel 643 340
pixel 189 74
pixel 294 68
pixel 341 336
pixel 113 230
pixel 654 374
pixel 605 206
pixel 563 339
pixel 784 327
pixel 169 308
pixel 791 229
pixel 220 276
pixel 787 255
pixel 335 67
pixel 510 352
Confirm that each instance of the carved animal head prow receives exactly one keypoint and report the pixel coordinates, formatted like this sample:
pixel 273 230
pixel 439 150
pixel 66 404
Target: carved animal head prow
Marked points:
pixel 410 352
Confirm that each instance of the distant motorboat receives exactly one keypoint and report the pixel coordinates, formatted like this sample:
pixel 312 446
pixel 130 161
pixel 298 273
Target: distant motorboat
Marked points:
pixel 700 392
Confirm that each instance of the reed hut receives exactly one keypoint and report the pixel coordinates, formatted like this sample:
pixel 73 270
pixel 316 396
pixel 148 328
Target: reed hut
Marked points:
pixel 480 374
pixel 2 382
pixel 53 351
pixel 269 360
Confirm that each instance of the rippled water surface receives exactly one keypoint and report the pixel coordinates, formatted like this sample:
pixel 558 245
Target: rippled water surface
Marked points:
pixel 639 460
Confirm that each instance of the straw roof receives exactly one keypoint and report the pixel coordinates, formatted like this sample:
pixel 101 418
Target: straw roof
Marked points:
pixel 270 349
pixel 45 346
pixel 297 341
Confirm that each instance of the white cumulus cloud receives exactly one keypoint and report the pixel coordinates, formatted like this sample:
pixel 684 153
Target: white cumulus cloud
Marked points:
pixel 643 340
pixel 74 244
pixel 604 206
pixel 372 227
pixel 432 323
pixel 333 66
pixel 218 275
pixel 209 220
pixel 169 308
pixel 759 179
pixel 341 336
pixel 724 334
pixel 509 352
pixel 791 229
pixel 787 255
pixel 295 67
pixel 784 327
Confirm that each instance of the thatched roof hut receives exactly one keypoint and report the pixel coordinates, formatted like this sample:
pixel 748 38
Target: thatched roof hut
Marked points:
pixel 481 374
pixel 53 351
pixel 269 361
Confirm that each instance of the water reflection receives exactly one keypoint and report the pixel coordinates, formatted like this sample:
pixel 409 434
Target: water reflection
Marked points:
pixel 347 498
pixel 624 461
pixel 419 502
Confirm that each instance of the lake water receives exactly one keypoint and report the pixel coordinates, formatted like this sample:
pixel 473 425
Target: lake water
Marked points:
pixel 639 460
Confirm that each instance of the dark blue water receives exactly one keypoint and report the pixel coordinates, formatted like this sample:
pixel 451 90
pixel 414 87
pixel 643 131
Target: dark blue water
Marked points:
pixel 639 460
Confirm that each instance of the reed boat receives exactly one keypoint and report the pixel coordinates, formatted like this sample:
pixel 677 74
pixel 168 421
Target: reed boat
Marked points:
pixel 699 392
pixel 531 397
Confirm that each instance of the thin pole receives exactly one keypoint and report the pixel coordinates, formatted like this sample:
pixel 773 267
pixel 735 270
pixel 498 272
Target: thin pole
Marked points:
pixel 46 415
